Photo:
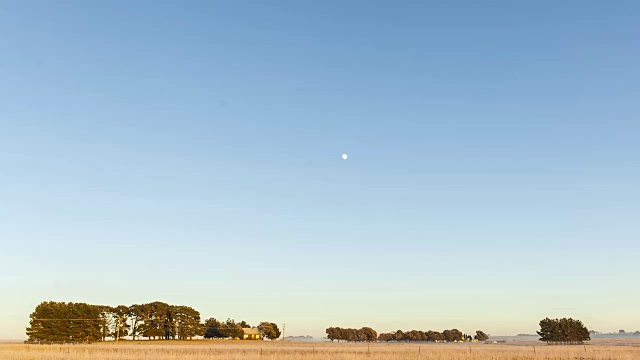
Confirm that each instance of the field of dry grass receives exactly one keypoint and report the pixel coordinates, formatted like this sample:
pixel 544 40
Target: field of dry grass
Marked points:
pixel 232 350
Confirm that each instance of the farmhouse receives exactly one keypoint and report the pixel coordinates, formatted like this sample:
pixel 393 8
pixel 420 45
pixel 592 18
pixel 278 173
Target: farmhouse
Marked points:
pixel 251 334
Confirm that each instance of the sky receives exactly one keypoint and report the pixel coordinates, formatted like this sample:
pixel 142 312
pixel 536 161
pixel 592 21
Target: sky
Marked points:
pixel 190 152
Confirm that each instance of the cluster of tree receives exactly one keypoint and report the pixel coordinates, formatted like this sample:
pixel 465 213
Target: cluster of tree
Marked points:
pixel 418 335
pixel 230 329
pixel 60 322
pixel 53 322
pixel 363 334
pixel 563 331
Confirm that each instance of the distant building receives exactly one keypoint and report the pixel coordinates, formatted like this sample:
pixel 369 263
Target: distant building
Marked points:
pixel 251 334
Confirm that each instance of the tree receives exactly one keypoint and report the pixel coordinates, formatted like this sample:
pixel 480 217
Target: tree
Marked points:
pixel 448 335
pixel 276 329
pixel 136 314
pixel 59 322
pixel 368 334
pixel 212 329
pixel 398 335
pixel 187 321
pixel 120 315
pixel 434 336
pixel 481 336
pixel 332 334
pixel 457 335
pixel 352 334
pixel 244 324
pixel 563 331
pixel 267 330
pixel 232 329
pixel 157 321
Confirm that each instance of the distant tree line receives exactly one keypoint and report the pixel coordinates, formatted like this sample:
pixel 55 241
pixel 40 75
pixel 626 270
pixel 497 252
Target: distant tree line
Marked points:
pixel 60 322
pixel 368 334
pixel 434 336
pixel 365 334
pixel 563 331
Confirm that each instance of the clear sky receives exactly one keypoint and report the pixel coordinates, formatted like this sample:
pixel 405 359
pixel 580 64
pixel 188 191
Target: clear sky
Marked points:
pixel 189 152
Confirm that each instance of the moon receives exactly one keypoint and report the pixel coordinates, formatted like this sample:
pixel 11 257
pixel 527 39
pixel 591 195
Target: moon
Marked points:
pixel 344 157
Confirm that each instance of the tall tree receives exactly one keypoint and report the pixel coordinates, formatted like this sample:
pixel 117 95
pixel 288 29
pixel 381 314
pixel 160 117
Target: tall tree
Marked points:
pixel 332 334
pixel 157 320
pixel 232 329
pixel 448 335
pixel 59 322
pixel 368 334
pixel 457 335
pixel 267 330
pixel 398 336
pixel 121 325
pixel 187 322
pixel 213 329
pixel 136 312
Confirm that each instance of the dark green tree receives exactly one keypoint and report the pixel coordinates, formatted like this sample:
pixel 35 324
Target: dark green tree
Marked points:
pixel 332 334
pixel 120 316
pixel 232 329
pixel 276 329
pixel 187 321
pixel 457 335
pixel 481 336
pixel 563 331
pixel 212 329
pixel 136 312
pixel 59 322
pixel 266 329
pixel 368 334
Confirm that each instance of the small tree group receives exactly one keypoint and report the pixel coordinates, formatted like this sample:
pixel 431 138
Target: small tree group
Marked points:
pixel 412 335
pixel 230 329
pixel 434 336
pixel 563 331
pixel 60 322
pixel 356 335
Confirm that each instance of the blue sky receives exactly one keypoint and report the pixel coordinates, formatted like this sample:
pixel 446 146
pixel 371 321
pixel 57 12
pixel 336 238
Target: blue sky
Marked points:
pixel 190 153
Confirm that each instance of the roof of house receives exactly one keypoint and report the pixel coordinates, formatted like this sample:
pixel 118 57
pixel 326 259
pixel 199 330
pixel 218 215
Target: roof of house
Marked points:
pixel 251 331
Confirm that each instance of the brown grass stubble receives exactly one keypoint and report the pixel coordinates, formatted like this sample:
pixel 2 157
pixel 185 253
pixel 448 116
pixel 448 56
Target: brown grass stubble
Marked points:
pixel 259 350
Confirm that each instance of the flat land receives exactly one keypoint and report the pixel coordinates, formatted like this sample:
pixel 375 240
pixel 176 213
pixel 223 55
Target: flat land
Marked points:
pixel 264 350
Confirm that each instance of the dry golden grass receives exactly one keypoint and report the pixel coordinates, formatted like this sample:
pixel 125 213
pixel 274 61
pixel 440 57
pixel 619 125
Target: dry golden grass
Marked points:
pixel 237 350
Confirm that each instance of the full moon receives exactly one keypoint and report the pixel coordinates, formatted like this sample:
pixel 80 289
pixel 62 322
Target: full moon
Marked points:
pixel 344 156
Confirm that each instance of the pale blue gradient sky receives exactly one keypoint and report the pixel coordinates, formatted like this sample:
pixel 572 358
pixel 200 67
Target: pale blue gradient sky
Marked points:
pixel 190 153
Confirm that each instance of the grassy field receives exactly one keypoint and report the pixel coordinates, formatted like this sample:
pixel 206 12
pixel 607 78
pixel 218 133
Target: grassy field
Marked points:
pixel 228 350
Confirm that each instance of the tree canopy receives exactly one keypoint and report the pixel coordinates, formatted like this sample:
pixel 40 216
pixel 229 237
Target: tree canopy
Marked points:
pixel 356 335
pixel 563 331
pixel 60 322
pixel 419 335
